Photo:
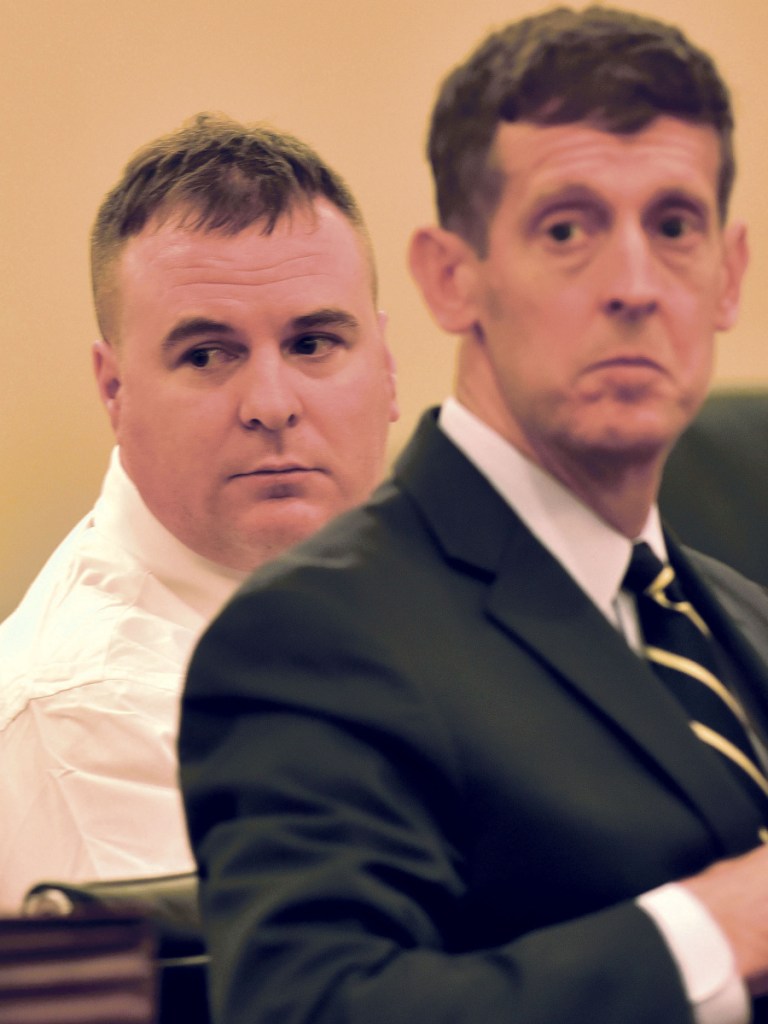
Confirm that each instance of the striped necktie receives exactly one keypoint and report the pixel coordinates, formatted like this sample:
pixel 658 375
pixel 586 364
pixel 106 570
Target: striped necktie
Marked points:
pixel 679 647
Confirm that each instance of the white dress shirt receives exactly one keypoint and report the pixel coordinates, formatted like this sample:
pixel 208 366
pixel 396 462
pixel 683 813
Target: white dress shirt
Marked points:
pixel 92 664
pixel 597 557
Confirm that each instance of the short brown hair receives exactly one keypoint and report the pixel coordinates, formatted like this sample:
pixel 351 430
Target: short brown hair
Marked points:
pixel 614 69
pixel 219 175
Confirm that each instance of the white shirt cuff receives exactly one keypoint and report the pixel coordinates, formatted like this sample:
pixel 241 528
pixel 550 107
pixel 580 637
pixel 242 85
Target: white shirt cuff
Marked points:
pixel 702 953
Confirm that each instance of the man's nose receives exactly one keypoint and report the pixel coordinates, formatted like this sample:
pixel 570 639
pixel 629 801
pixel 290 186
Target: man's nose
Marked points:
pixel 270 400
pixel 632 275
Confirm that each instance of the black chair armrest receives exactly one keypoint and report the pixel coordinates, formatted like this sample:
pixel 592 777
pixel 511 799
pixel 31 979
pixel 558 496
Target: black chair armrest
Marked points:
pixel 170 904
pixel 169 901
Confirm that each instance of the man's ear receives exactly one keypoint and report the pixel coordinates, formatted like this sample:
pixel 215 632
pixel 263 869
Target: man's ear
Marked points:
pixel 735 261
pixel 107 371
pixel 444 267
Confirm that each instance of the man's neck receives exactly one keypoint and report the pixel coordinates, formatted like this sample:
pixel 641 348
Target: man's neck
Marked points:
pixel 620 489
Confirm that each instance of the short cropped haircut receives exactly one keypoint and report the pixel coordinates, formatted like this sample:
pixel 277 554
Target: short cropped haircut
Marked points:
pixel 612 69
pixel 215 174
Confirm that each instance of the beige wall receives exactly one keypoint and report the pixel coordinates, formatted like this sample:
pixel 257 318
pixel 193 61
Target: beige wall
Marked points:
pixel 84 82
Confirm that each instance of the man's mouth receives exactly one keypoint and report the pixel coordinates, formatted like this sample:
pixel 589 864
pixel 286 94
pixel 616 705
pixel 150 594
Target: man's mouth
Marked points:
pixel 641 362
pixel 275 470
pixel 628 369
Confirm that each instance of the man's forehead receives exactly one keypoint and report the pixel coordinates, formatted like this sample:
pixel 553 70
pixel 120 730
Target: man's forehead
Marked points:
pixel 176 273
pixel 316 231
pixel 584 151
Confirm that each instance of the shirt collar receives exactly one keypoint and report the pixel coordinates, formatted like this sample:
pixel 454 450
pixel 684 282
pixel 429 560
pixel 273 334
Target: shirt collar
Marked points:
pixel 121 515
pixel 591 551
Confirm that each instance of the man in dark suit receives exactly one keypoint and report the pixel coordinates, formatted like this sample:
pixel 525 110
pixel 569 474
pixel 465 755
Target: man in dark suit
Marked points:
pixel 432 770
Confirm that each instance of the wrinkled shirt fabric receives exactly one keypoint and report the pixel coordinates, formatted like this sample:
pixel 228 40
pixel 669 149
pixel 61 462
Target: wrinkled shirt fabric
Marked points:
pixel 92 664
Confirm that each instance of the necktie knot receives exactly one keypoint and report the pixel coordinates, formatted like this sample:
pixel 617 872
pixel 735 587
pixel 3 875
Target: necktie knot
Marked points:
pixel 646 570
pixel 649 577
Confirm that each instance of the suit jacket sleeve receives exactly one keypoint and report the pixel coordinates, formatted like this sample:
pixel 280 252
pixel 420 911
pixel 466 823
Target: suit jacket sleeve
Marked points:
pixel 339 845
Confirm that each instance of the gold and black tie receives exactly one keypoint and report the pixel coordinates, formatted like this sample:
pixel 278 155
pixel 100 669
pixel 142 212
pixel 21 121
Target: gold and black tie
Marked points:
pixel 679 646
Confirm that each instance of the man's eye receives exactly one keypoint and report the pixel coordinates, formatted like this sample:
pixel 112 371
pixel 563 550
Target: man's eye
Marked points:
pixel 673 226
pixel 313 345
pixel 563 232
pixel 202 358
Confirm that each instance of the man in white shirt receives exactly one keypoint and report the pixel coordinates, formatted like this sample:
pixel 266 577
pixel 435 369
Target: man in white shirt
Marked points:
pixel 245 372
pixel 458 788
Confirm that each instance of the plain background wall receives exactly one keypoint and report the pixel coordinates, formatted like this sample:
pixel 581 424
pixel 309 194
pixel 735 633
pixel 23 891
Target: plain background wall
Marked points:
pixel 85 82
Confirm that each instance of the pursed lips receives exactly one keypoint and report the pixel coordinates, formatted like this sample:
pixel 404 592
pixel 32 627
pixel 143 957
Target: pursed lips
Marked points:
pixel 276 470
pixel 613 362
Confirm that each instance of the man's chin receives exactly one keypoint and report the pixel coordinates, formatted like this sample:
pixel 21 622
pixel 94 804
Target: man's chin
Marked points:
pixel 634 432
pixel 281 524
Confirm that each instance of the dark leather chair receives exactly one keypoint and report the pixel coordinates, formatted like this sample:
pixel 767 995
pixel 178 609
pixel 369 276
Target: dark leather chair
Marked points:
pixel 169 903
pixel 715 488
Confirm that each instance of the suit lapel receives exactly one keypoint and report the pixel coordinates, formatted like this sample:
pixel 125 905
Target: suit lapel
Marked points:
pixel 533 599
pixel 539 604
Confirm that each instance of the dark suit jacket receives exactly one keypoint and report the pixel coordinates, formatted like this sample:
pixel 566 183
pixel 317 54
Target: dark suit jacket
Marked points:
pixel 426 778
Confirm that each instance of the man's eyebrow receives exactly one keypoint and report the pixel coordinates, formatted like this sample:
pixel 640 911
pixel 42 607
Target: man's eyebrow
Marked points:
pixel 566 194
pixel 201 326
pixel 327 317
pixel 195 327
pixel 680 197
